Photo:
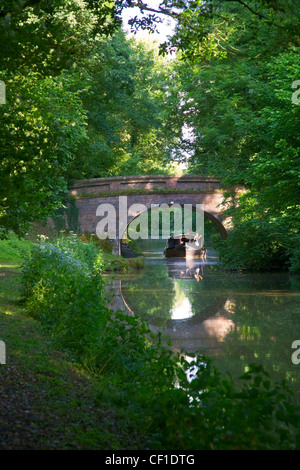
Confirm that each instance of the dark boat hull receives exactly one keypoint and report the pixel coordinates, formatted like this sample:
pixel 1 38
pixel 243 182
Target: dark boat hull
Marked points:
pixel 186 251
pixel 176 252
pixel 184 246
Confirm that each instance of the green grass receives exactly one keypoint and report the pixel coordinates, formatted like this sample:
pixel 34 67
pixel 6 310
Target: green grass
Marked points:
pixel 47 400
pixel 112 263
pixel 115 263
pixel 13 250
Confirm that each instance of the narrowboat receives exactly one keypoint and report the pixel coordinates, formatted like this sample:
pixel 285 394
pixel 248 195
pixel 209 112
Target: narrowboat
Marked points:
pixel 184 246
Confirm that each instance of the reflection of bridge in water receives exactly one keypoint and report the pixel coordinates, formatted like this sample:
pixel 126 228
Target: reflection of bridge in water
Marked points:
pixel 204 331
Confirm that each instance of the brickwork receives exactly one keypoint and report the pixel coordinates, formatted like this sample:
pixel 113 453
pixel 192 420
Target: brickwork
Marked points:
pixel 147 183
pixel 158 189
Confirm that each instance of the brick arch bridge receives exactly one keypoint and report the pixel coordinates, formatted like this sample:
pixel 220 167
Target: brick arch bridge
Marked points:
pixel 147 190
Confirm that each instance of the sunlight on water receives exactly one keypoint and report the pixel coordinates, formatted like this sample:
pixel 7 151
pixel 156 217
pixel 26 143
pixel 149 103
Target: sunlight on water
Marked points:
pixel 182 309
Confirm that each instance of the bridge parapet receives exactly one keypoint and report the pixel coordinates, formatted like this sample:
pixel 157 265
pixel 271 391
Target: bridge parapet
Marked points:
pixel 185 183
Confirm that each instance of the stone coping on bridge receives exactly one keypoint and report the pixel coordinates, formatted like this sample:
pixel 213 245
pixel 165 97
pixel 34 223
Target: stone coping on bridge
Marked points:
pixel 144 183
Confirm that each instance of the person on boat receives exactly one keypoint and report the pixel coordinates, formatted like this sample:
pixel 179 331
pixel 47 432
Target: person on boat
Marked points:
pixel 196 239
pixel 171 242
pixel 183 240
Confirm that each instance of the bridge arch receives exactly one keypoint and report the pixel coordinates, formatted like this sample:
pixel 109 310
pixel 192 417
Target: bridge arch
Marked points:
pixel 147 190
pixel 218 223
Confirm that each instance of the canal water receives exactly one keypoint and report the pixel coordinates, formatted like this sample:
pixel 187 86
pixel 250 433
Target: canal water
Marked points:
pixel 234 318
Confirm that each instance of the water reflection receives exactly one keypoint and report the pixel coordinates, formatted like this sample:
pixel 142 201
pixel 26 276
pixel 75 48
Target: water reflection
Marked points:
pixel 166 294
pixel 236 318
pixel 187 269
pixel 182 308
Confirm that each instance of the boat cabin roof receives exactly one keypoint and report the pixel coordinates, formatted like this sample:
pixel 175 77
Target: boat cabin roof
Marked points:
pixel 176 239
pixel 185 235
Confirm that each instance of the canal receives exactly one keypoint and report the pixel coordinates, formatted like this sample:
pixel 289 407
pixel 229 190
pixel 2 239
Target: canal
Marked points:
pixel 234 318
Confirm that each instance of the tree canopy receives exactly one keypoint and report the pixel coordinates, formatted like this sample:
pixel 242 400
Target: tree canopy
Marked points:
pixel 233 87
pixel 43 120
pixel 83 100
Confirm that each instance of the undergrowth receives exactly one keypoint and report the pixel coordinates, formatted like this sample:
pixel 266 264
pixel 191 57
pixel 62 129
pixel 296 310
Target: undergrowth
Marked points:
pixel 174 403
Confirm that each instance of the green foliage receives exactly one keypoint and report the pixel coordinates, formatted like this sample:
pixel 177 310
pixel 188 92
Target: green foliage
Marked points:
pixel 209 411
pixel 85 253
pixel 64 291
pixel 124 85
pixel 72 215
pixel 79 104
pixel 172 402
pixel 106 245
pixel 240 108
pixel 41 126
pixel 204 30
pixel 256 244
pixel 295 259
pixel 47 37
pixel 43 120
pixel 111 263
pixel 13 249
pixel 70 75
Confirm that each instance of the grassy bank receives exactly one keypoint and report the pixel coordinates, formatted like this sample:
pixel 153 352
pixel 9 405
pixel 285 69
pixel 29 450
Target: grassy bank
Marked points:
pixel 79 376
pixel 48 401
pixel 117 264
pixel 13 250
